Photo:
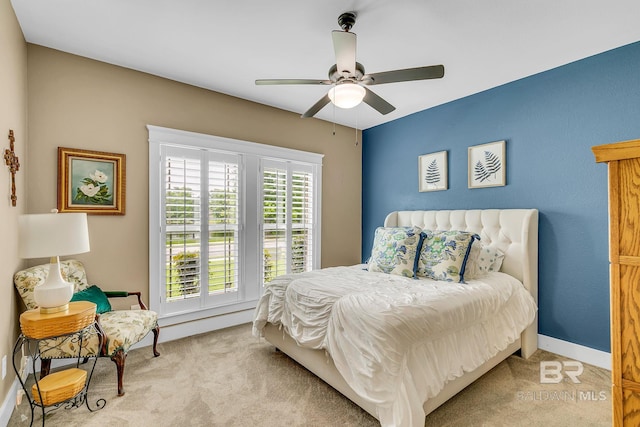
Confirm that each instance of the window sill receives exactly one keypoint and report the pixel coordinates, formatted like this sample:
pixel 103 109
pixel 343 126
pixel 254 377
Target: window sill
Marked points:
pixel 203 313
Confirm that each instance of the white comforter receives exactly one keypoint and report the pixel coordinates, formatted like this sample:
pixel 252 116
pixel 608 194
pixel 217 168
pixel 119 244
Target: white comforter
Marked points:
pixel 395 340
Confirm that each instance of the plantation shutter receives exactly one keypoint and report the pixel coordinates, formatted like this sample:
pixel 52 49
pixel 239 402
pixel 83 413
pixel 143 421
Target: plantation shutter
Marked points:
pixel 201 256
pixel 274 243
pixel 182 224
pixel 288 218
pixel 301 221
pixel 224 225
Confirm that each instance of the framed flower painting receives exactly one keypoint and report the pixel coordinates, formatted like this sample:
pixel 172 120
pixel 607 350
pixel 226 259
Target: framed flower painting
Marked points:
pixel 91 182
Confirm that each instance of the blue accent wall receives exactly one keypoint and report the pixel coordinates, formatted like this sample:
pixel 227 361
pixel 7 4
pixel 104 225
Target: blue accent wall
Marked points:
pixel 550 122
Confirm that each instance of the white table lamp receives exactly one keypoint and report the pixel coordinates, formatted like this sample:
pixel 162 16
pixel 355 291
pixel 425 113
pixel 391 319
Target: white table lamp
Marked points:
pixel 53 235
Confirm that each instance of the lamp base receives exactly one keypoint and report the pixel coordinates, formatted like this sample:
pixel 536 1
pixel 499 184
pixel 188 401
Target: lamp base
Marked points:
pixel 54 294
pixel 52 310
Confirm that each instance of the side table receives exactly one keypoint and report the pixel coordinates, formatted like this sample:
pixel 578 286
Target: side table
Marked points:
pixel 67 387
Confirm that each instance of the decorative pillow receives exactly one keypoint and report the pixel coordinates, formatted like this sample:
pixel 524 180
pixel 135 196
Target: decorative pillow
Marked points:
pixel 496 265
pixel 482 260
pixel 444 254
pixel 95 295
pixel 394 250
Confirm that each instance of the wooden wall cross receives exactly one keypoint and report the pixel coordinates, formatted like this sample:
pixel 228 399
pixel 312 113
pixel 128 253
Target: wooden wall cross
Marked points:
pixel 11 160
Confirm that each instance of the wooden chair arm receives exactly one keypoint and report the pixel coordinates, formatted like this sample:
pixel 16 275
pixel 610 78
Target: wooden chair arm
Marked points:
pixel 124 294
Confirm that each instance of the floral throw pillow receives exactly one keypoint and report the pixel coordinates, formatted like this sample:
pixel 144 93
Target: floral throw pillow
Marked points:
pixel 444 255
pixel 394 250
pixel 482 260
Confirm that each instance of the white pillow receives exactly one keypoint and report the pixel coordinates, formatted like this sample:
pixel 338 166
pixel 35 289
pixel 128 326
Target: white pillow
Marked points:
pixel 482 260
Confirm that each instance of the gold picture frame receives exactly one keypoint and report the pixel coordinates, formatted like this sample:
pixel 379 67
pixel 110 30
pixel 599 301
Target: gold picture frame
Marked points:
pixel 93 182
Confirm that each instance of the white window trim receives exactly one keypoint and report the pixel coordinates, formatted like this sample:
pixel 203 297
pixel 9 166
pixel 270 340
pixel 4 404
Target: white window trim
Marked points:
pixel 252 153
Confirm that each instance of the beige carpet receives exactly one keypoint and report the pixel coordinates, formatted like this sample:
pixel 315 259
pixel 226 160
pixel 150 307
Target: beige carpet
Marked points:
pixel 229 378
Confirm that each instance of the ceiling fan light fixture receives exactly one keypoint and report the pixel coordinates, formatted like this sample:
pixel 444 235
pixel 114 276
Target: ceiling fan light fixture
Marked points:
pixel 346 95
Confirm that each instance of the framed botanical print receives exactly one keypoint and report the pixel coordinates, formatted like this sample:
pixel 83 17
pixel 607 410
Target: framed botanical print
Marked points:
pixel 487 165
pixel 91 182
pixel 432 172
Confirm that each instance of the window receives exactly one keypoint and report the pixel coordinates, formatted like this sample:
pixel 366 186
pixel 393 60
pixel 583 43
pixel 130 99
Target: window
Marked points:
pixel 225 217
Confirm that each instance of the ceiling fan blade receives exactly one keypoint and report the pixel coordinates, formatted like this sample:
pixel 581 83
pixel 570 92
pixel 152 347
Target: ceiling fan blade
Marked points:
pixel 406 75
pixel 317 107
pixel 292 82
pixel 344 45
pixel 379 104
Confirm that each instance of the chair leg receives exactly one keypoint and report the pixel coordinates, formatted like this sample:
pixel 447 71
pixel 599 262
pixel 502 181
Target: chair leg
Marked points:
pixel 45 367
pixel 119 358
pixel 156 332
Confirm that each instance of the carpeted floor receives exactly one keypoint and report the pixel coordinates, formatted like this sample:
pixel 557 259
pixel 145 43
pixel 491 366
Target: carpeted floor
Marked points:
pixel 229 378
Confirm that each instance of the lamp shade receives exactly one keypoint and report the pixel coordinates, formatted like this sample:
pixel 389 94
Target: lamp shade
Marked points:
pixel 52 234
pixel 347 95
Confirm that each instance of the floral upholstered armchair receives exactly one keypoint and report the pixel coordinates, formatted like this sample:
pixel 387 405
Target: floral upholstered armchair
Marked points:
pixel 121 328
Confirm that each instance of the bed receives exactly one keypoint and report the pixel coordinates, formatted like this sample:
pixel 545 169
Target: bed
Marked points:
pixel 418 379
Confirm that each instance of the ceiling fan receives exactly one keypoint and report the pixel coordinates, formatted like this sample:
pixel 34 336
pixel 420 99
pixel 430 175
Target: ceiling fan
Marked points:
pixel 349 79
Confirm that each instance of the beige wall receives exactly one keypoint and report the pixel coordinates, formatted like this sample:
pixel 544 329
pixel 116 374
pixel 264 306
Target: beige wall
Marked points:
pixel 13 109
pixel 81 103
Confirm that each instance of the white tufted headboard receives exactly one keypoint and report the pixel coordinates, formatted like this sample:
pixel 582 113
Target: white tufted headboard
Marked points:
pixel 513 231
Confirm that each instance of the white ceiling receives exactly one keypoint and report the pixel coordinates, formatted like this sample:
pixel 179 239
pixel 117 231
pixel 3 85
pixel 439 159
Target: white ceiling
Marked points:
pixel 224 45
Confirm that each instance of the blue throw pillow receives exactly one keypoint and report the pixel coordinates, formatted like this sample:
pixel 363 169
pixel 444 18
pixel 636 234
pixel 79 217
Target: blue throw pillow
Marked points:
pixel 95 295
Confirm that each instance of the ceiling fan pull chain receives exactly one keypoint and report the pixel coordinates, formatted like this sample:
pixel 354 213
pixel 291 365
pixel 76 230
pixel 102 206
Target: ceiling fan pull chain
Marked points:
pixel 357 114
pixel 334 119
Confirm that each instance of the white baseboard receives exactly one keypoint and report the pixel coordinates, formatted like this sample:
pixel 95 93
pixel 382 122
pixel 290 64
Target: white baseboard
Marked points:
pixel 183 330
pixel 9 403
pixel 578 352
